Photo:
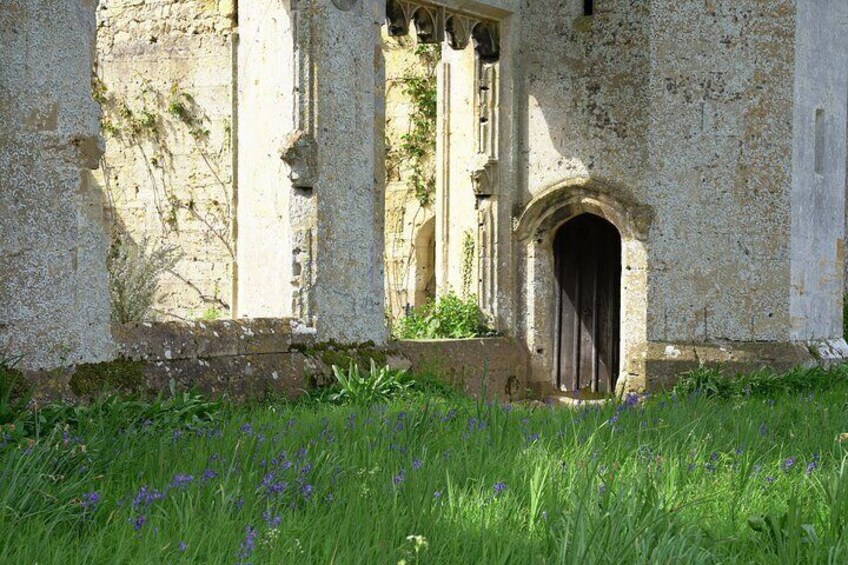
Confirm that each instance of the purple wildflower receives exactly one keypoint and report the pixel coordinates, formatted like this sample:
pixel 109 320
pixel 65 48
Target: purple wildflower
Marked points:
pixel 399 478
pixel 249 542
pixel 306 491
pixel 499 487
pixel 146 496
pixel 812 466
pixel 139 522
pixel 248 430
pixel 764 429
pixel 769 480
pixel 89 500
pixel 209 475
pixel 417 464
pixel 271 521
pixel 182 546
pixel 788 464
pixel 631 400
pixel 181 481
pixel 437 494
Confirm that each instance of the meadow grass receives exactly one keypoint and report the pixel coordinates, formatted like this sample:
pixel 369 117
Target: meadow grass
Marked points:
pixel 434 479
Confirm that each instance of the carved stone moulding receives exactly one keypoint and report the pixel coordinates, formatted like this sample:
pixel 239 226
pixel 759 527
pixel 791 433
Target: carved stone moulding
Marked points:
pixel 458 30
pixel 433 24
pixel 484 175
pixel 299 151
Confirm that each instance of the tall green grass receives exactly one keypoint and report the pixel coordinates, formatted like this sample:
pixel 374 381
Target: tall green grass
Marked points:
pixel 672 479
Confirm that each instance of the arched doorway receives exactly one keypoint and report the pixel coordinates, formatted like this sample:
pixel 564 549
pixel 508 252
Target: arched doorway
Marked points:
pixel 425 263
pixel 587 254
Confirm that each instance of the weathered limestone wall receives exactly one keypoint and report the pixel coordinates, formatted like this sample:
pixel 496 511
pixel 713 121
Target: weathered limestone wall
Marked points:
pixel 720 141
pixel 674 120
pixel 818 180
pixel 166 72
pixel 408 272
pixel 54 302
pixel 266 114
pixel 585 97
pixel 350 114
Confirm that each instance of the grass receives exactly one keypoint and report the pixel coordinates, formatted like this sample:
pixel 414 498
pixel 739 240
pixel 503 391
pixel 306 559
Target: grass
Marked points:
pixel 428 479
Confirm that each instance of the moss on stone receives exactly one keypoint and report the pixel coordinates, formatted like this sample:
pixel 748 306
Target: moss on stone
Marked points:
pixel 332 353
pixel 121 375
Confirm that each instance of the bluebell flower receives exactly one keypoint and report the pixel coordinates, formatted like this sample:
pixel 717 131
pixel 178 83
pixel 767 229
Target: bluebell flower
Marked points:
pixel 399 478
pixel 417 464
pixel 306 491
pixel 181 481
pixel 249 542
pixel 182 546
pixel 138 522
pixel 146 496
pixel 90 500
pixel 499 487
pixel 788 464
pixel 271 520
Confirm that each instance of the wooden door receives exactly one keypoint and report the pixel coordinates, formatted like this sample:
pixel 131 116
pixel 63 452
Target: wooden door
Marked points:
pixel 588 276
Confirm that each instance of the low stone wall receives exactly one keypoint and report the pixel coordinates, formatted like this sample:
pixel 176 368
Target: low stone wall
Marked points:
pixel 260 359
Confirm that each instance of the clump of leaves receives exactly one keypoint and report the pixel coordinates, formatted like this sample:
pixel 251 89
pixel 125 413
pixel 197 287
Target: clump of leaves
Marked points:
pixel 449 317
pixel 135 270
pixel 714 382
pixel 374 386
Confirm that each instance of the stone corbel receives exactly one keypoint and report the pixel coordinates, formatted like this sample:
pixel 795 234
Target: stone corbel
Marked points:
pixel 484 175
pixel 300 152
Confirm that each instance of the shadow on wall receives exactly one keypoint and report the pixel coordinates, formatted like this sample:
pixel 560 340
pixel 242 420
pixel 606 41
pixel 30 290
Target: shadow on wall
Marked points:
pixel 586 94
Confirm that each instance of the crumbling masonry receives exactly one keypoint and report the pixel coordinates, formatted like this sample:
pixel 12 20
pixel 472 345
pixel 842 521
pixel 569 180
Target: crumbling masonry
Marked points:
pixel 703 142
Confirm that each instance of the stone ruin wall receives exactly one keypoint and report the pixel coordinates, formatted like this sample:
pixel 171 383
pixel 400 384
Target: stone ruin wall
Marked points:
pixel 165 72
pixel 54 303
pixel 405 214
pixel 626 68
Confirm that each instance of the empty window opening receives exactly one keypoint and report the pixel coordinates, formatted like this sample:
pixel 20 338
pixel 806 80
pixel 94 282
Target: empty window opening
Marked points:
pixel 819 151
pixel 588 7
pixel 410 161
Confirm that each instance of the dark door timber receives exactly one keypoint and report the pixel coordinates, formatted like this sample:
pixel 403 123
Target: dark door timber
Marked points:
pixel 587 252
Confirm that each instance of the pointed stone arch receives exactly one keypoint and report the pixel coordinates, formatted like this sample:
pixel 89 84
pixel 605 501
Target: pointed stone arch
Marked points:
pixel 535 230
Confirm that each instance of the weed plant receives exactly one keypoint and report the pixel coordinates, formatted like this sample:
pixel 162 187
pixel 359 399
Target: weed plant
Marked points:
pixel 449 317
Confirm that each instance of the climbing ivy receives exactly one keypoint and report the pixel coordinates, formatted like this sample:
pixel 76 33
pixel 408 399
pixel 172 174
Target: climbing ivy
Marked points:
pixel 467 271
pixel 418 147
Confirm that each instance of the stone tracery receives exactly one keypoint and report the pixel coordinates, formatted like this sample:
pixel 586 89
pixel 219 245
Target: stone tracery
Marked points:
pixel 434 23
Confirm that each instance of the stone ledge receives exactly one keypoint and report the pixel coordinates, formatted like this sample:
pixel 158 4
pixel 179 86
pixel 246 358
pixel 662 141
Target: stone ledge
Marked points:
pixel 171 341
